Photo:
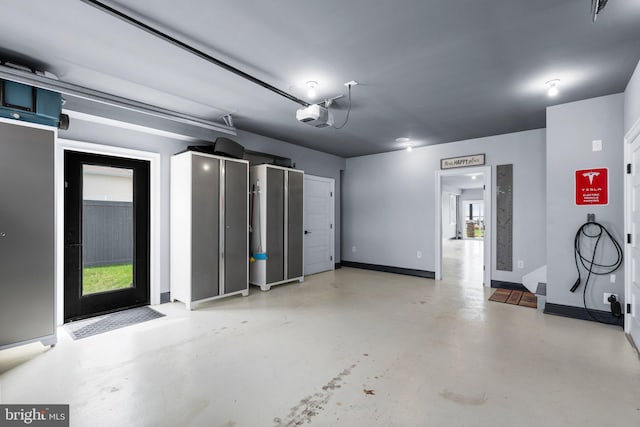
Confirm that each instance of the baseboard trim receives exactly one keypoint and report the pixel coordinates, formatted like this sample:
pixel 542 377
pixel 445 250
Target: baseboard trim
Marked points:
pixel 508 285
pixel 165 297
pixel 338 265
pixel 633 344
pixel 581 314
pixel 388 269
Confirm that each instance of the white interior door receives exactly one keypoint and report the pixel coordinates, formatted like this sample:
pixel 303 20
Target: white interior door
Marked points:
pixel 318 224
pixel 632 320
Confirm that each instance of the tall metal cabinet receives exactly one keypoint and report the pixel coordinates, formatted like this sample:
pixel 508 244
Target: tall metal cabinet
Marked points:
pixel 27 258
pixel 276 242
pixel 209 227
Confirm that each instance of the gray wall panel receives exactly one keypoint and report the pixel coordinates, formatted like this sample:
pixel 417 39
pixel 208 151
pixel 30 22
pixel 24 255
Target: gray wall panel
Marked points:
pixel 26 233
pixel 236 251
pixel 294 236
pixel 275 225
pixel 206 224
pixel 504 217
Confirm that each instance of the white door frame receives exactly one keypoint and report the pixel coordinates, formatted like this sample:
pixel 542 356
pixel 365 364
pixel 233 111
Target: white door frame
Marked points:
pixel 63 145
pixel 629 138
pixel 488 218
pixel 332 217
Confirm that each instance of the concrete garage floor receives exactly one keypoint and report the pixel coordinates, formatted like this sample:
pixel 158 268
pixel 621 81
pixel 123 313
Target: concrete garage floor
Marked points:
pixel 429 353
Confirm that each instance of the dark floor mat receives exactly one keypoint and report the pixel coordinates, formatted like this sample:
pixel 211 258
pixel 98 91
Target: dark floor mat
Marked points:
pixel 97 325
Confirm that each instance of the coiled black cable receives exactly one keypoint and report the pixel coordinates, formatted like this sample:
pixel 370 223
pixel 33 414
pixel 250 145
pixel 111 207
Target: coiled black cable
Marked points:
pixel 587 232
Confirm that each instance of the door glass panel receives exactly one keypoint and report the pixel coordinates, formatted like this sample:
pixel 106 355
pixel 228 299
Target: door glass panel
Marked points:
pixel 107 228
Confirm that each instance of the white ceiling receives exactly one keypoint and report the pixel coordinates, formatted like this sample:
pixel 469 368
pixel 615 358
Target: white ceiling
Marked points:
pixel 432 70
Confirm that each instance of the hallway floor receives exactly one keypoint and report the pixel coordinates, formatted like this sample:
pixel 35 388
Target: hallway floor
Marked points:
pixel 344 348
pixel 462 261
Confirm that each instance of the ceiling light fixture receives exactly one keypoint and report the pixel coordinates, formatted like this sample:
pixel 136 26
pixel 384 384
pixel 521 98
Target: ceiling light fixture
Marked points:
pixel 311 92
pixel 405 141
pixel 552 87
pixel 473 177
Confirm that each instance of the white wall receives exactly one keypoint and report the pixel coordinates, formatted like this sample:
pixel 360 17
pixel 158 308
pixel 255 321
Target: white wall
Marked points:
pixel 571 128
pixel 632 101
pixel 312 161
pixel 390 201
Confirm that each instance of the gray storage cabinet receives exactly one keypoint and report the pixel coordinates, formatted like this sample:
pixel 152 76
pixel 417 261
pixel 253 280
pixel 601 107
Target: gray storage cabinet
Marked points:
pixel 27 220
pixel 276 225
pixel 209 227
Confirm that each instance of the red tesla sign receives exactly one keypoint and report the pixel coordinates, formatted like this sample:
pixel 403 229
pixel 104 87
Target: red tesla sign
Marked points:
pixel 592 186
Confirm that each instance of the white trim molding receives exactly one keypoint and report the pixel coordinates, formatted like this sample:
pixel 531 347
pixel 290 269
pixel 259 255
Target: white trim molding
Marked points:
pixel 634 132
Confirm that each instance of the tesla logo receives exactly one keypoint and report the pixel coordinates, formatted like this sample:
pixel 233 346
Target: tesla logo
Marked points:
pixel 592 186
pixel 591 175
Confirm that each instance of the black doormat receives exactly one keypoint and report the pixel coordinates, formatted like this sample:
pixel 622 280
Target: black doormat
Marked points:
pixel 97 325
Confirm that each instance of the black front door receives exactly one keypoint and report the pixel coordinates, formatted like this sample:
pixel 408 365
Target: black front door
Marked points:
pixel 106 235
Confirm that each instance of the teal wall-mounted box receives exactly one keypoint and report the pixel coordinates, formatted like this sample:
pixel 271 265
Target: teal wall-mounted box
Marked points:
pixel 30 104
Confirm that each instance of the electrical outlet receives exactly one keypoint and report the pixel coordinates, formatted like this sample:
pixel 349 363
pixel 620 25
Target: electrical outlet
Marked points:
pixel 419 254
pixel 520 263
pixel 612 278
pixel 606 297
pixel 596 145
pixel 353 248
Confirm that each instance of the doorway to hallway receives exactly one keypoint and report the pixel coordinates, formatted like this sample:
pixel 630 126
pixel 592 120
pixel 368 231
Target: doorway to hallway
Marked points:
pixel 463 238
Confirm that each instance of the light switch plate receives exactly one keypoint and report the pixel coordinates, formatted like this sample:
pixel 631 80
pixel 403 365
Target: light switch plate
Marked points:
pixel 596 145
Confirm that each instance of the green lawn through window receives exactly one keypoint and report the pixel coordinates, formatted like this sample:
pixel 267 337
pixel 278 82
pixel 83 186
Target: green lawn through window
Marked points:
pixel 106 278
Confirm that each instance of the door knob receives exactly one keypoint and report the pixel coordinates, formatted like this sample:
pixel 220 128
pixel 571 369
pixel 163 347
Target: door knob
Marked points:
pixel 307 232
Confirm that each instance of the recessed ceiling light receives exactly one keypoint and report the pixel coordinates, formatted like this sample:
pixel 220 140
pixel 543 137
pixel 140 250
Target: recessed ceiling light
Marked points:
pixel 473 177
pixel 311 88
pixel 403 139
pixel 552 87
pixel 410 147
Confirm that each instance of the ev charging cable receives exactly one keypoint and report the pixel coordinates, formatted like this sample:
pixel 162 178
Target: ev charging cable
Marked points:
pixel 592 231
